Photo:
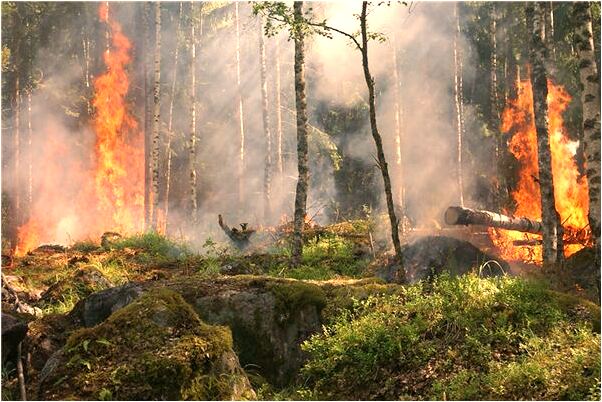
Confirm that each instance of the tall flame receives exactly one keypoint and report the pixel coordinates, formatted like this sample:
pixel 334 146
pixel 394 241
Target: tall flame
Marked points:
pixel 570 188
pixel 110 194
pixel 119 175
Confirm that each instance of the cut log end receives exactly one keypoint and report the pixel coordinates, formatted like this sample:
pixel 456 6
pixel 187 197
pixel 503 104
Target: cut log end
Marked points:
pixel 452 215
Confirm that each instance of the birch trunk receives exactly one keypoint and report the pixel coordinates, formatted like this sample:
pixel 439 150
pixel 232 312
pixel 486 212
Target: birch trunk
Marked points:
pixel 552 230
pixel 302 129
pixel 378 140
pixel 156 119
pixel 279 157
pixel 29 157
pixel 170 120
pixel 192 137
pixel 590 99
pixel 267 177
pixel 147 115
pixel 241 124
pixel 398 134
pixel 17 152
pixel 458 102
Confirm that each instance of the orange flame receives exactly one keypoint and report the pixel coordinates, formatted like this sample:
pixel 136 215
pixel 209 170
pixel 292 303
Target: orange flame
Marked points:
pixel 570 189
pixel 110 194
pixel 119 175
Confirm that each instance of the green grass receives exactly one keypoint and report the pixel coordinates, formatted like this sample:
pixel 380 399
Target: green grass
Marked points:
pixel 154 247
pixel 459 338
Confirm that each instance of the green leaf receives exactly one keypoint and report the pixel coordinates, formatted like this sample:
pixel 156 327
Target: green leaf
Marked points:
pixel 85 344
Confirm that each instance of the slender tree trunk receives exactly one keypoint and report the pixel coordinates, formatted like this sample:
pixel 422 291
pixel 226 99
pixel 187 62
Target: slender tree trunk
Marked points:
pixel 279 158
pixel 170 120
pixel 17 152
pixel 398 135
pixel 590 99
pixel 147 115
pixel 267 177
pixel 378 140
pixel 552 230
pixel 549 15
pixel 29 157
pixel 156 119
pixel 241 124
pixel 302 129
pixel 458 101
pixel 192 138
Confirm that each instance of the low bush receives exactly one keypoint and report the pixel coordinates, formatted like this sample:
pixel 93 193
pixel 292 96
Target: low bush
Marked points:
pixel 459 338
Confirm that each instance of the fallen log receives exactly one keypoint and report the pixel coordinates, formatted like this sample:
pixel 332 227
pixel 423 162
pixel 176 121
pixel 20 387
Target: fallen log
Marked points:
pixel 467 216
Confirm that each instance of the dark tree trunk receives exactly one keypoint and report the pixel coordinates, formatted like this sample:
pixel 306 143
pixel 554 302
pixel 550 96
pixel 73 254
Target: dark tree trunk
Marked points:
pixel 302 128
pixel 378 140
pixel 552 230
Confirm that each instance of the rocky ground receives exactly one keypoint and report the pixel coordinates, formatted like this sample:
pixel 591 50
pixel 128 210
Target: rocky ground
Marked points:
pixel 145 318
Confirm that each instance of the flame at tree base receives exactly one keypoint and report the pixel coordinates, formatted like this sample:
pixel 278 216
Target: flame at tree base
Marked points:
pixel 109 195
pixel 570 188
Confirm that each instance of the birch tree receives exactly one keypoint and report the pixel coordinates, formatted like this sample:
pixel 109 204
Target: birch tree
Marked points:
pixel 192 135
pixel 170 132
pixel 241 124
pixel 552 230
pixel 267 175
pixel 590 98
pixel 459 105
pixel 156 119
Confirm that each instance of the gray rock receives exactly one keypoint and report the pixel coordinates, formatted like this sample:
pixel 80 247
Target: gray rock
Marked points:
pixel 97 307
pixel 267 334
pixel 429 256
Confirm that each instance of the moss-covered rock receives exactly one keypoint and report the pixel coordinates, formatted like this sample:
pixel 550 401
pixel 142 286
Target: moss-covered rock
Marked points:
pixel 154 348
pixel 269 318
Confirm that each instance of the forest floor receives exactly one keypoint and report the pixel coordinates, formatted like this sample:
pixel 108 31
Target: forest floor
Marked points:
pixel 332 328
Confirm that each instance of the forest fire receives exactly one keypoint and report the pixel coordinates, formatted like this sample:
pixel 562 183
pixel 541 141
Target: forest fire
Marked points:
pixel 119 175
pixel 111 193
pixel 569 186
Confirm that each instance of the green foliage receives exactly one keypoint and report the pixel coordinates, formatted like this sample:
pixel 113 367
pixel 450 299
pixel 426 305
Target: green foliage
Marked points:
pixel 154 247
pixel 459 338
pixel 85 246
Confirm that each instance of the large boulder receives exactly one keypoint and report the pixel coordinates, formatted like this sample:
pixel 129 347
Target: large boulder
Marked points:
pixel 14 329
pixel 269 318
pixel 154 348
pixel 429 256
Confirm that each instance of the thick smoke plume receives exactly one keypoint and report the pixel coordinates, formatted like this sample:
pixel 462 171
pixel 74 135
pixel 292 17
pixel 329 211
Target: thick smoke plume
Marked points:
pixel 63 145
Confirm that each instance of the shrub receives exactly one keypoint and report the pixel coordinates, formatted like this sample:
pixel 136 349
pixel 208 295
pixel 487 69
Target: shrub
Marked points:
pixel 154 246
pixel 460 338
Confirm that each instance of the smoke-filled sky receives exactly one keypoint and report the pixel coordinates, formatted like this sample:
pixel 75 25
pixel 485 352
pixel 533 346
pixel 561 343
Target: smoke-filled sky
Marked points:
pixel 422 36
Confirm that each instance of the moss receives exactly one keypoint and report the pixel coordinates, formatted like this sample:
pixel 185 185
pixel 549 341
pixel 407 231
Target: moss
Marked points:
pixel 292 296
pixel 62 296
pixel 154 348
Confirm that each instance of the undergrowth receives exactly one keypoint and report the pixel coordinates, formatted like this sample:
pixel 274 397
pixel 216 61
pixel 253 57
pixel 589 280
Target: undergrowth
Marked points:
pixel 459 338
